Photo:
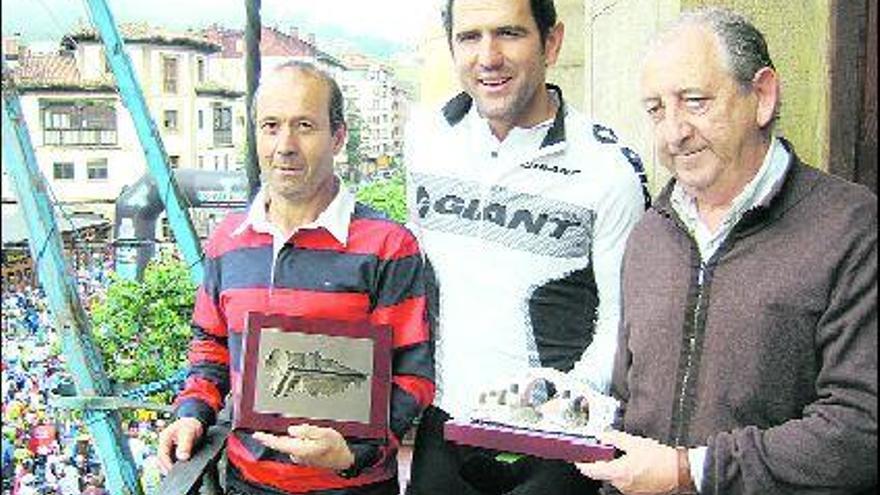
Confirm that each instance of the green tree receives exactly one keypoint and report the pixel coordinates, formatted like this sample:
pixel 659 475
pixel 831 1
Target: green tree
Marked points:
pixel 143 328
pixel 388 196
pixel 353 153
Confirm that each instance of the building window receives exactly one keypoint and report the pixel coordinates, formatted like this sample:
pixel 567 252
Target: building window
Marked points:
pixel 167 233
pixel 174 161
pixel 201 119
pixel 222 126
pixel 169 74
pixel 170 120
pixel 62 170
pixel 200 70
pixel 106 61
pixel 216 162
pixel 78 123
pixel 226 163
pixel 201 162
pixel 97 169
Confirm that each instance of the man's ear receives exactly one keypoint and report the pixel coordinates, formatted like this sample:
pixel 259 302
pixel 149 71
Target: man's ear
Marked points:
pixel 553 43
pixel 765 84
pixel 339 138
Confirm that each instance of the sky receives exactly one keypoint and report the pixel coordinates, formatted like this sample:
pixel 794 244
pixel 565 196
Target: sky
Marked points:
pixel 377 27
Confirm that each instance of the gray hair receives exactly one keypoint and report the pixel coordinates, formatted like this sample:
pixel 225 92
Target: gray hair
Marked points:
pixel 335 110
pixel 742 45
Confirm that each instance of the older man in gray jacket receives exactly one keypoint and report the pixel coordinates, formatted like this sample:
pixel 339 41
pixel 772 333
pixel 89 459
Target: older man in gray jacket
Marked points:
pixel 747 360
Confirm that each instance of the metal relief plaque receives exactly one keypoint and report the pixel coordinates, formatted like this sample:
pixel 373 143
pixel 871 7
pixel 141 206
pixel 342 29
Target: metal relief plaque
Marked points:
pixel 321 372
pixel 540 419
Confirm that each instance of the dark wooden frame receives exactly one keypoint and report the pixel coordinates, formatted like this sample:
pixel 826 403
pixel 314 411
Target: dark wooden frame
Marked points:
pixel 569 448
pixel 246 417
pixel 852 66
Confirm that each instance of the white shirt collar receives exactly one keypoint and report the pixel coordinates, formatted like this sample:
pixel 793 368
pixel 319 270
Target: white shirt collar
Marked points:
pixel 336 218
pixel 758 191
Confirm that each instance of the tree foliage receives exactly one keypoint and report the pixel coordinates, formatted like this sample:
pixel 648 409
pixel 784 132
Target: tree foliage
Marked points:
pixel 388 197
pixel 355 126
pixel 143 328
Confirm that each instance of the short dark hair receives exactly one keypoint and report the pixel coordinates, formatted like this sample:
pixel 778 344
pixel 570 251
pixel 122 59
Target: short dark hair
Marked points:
pixel 336 108
pixel 543 11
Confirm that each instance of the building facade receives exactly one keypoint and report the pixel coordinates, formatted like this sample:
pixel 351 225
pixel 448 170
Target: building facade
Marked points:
pixel 83 136
pixel 377 100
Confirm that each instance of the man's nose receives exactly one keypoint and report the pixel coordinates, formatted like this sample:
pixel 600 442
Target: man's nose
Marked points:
pixel 675 128
pixel 489 54
pixel 288 141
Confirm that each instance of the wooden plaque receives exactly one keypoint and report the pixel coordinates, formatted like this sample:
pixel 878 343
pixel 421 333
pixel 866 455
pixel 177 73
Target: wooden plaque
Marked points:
pixel 321 372
pixel 548 445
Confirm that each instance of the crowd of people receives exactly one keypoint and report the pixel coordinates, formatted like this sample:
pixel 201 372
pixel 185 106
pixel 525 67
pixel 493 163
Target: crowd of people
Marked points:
pixel 48 450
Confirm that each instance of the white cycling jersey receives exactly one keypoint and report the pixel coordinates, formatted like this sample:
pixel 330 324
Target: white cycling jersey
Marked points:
pixel 525 237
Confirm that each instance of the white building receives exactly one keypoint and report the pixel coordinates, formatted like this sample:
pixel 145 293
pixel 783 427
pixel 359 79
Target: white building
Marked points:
pixel 381 103
pixel 83 137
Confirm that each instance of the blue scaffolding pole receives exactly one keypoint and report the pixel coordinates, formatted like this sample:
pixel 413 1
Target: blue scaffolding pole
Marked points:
pixel 157 160
pixel 80 352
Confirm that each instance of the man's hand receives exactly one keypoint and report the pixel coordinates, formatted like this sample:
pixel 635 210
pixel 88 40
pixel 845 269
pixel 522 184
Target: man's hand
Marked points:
pixel 182 433
pixel 311 446
pixel 647 467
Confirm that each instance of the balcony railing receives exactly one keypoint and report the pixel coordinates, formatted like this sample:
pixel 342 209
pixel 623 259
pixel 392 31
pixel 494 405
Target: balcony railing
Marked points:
pixel 79 137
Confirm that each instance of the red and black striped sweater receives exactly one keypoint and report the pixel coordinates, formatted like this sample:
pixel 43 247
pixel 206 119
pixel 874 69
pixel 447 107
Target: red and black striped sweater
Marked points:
pixel 376 276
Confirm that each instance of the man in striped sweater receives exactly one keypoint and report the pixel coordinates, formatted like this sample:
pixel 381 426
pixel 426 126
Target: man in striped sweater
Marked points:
pixel 304 248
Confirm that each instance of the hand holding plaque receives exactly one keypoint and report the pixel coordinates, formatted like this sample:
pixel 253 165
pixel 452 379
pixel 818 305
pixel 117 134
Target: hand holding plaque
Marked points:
pixel 309 445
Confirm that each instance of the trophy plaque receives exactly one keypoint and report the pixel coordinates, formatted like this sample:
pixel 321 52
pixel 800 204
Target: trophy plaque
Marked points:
pixel 328 373
pixel 531 424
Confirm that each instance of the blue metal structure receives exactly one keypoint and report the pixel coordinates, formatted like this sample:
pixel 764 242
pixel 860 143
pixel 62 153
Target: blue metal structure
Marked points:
pixel 82 356
pixel 154 150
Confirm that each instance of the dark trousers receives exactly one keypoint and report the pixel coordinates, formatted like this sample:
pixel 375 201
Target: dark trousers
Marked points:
pixel 445 468
pixel 237 485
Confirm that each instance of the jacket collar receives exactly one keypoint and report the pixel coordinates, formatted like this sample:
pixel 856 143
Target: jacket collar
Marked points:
pixel 455 110
pixel 799 180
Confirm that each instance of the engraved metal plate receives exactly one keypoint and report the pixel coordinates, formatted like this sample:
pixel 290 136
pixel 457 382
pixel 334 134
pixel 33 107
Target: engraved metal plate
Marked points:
pixel 322 372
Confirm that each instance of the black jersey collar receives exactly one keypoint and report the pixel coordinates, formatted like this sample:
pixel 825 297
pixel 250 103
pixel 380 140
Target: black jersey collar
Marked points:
pixel 455 109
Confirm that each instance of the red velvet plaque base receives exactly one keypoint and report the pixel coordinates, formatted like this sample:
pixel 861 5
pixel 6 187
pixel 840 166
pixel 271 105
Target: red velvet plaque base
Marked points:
pixel 571 448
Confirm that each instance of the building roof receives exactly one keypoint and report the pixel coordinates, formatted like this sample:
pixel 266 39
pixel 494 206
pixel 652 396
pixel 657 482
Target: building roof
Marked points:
pixel 211 88
pixel 57 71
pixel 273 43
pixel 145 33
pixel 15 231
pixel 48 68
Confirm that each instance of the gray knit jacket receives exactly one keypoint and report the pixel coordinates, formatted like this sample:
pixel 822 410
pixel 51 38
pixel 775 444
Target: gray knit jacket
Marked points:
pixel 772 361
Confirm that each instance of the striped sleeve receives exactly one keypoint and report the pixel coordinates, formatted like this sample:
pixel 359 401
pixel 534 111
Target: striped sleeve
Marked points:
pixel 401 304
pixel 208 380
